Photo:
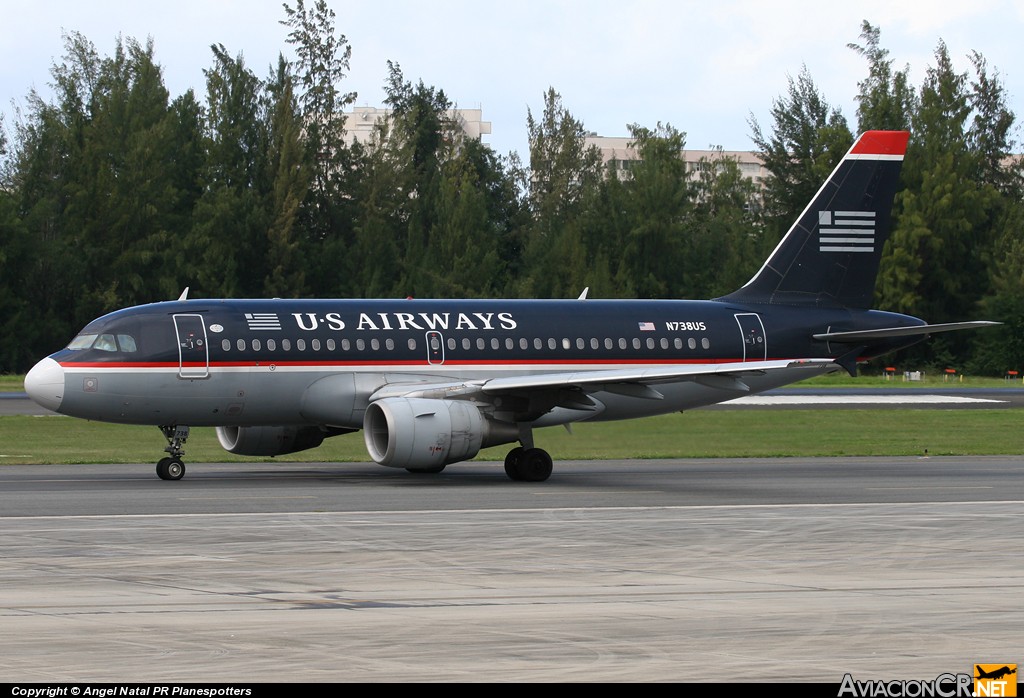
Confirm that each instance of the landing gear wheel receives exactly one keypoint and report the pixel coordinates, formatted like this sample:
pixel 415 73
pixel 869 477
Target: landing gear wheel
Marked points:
pixel 535 465
pixel 170 469
pixel 426 471
pixel 512 461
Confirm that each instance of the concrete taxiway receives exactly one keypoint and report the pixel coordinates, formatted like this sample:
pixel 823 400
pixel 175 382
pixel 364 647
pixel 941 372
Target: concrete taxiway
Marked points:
pixel 696 570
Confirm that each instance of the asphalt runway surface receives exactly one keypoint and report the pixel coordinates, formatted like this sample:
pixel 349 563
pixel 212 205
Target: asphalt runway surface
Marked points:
pixel 681 570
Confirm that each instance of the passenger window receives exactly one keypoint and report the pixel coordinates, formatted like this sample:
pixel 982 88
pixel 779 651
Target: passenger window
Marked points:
pixel 465 343
pixel 636 343
pixel 271 345
pixel 538 343
pixel 510 343
pixel 240 344
pixel 594 344
pixel 552 344
pixel 256 346
pixel 523 343
pixel 650 342
pixel 375 344
pixel 480 344
pixel 608 344
pixel 451 344
pixel 412 344
pixel 331 346
pixel 622 343
pixel 495 344
pixel 677 343
pixel 706 343
pixel 225 344
pixel 664 343
pixel 300 344
pixel 692 343
pixel 390 344
pixel 360 344
pixel 286 344
pixel 315 344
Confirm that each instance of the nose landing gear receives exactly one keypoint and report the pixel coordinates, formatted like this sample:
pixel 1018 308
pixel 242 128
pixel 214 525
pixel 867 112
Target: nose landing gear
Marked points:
pixel 172 467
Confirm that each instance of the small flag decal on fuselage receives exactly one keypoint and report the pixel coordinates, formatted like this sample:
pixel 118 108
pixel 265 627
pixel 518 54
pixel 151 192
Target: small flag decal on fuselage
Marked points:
pixel 646 326
pixel 846 231
pixel 263 321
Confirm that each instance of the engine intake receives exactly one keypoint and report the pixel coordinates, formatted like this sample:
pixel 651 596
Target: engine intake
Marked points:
pixel 424 433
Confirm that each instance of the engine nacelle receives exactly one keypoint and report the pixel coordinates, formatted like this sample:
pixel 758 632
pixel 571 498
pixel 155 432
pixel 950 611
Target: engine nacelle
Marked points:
pixel 425 433
pixel 269 441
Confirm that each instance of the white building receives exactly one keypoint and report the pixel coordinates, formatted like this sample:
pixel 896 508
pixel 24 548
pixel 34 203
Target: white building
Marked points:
pixel 619 150
pixel 360 122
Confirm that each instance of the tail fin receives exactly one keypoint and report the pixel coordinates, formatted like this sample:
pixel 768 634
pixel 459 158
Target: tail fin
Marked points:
pixel 830 256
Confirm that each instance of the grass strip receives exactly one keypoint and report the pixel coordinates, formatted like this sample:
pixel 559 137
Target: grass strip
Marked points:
pixel 697 434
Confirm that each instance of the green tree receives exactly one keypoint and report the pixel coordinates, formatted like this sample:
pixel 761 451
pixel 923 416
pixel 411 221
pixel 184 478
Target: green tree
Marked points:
pixel 809 138
pixel 938 259
pixel 323 62
pixel 728 222
pixel 227 243
pixel 328 212
pixel 660 249
pixel 937 243
pixel 18 327
pixel 563 172
pixel 290 185
pixel 886 100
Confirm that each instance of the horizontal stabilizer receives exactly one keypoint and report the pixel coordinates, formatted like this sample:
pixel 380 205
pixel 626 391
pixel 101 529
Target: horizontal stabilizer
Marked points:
pixel 889 332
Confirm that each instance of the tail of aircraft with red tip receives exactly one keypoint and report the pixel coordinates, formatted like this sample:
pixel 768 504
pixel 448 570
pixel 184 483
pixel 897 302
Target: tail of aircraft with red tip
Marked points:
pixel 831 254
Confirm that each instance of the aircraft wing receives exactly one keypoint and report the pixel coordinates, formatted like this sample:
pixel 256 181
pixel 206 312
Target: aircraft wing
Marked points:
pixel 635 382
pixel 726 376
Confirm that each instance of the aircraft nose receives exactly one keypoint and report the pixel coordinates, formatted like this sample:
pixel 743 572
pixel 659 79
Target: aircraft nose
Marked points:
pixel 45 384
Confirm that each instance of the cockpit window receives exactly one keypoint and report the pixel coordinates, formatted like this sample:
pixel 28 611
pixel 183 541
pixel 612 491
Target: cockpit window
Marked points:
pixel 105 342
pixel 82 341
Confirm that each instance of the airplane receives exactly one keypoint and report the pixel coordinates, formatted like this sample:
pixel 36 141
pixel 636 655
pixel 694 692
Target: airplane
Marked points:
pixel 432 382
pixel 996 674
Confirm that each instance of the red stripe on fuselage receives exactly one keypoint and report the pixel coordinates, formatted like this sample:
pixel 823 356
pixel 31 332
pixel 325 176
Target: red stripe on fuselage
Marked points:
pixel 402 364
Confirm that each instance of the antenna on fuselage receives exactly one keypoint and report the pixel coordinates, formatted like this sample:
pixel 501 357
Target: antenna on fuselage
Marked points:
pixel 184 295
pixel 583 296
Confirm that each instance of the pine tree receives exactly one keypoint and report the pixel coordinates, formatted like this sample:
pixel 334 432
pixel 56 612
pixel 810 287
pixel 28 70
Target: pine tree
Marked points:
pixel 809 138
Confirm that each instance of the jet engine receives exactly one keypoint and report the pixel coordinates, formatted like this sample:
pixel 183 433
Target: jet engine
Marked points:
pixel 269 441
pixel 420 433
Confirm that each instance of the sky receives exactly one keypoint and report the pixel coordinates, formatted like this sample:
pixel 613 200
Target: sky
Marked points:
pixel 703 67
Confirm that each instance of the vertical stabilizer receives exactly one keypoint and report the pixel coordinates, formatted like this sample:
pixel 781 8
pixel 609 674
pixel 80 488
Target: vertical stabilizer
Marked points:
pixel 830 255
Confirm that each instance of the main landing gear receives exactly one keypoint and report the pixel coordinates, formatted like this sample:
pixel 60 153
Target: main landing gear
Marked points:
pixel 172 467
pixel 528 464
